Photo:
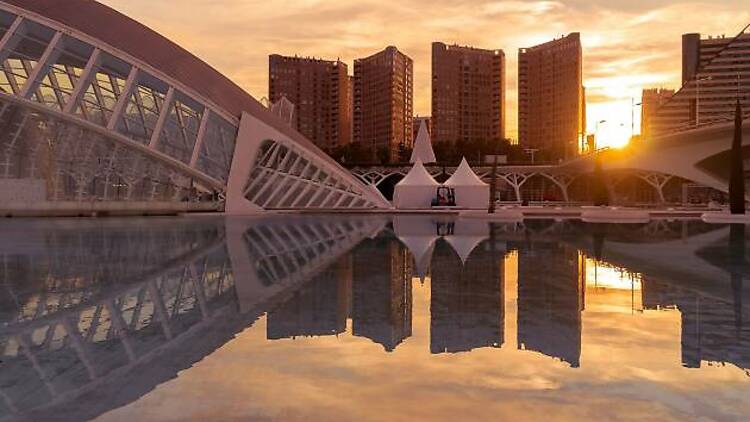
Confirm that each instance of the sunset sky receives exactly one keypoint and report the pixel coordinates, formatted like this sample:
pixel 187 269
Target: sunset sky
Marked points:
pixel 627 45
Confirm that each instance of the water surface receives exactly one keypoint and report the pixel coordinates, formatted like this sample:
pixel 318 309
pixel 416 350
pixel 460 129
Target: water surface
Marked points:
pixel 372 318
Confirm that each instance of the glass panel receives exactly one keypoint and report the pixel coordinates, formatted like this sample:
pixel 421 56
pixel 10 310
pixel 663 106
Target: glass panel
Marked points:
pixel 217 150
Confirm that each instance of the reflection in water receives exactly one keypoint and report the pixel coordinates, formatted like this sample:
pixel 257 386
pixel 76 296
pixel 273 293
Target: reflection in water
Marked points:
pixel 96 314
pixel 467 304
pixel 550 300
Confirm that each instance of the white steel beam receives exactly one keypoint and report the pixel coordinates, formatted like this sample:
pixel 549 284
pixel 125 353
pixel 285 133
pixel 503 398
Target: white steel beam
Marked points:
pixel 310 183
pixel 82 84
pixel 200 137
pixel 10 39
pixel 56 87
pixel 166 109
pixel 51 53
pixel 296 184
pixel 11 78
pixel 122 102
pixel 283 183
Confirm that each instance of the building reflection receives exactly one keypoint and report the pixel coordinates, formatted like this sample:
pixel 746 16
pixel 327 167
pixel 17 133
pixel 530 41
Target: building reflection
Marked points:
pixel 319 308
pixel 467 304
pixel 550 299
pixel 711 331
pixel 382 292
pixel 92 303
pixel 92 309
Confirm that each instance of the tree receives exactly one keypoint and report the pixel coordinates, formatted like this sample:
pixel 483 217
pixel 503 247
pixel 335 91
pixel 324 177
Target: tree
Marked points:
pixel 404 152
pixel 601 194
pixel 737 171
pixel 383 155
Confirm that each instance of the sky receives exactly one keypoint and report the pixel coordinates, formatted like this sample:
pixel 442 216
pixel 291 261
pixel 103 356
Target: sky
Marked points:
pixel 627 45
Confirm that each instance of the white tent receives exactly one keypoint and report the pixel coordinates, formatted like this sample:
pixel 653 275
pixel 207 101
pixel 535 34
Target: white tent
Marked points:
pixel 423 147
pixel 471 191
pixel 418 234
pixel 416 190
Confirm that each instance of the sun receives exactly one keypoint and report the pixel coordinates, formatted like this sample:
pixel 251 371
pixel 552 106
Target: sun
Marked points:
pixel 613 122
pixel 613 135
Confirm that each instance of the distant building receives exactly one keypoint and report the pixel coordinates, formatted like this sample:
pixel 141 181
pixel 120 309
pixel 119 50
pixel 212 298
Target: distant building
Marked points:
pixel 551 97
pixel 383 101
pixel 652 100
pixel 715 74
pixel 417 123
pixel 319 90
pixel 468 93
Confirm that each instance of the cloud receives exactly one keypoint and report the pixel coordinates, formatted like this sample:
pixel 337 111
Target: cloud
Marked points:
pixel 627 45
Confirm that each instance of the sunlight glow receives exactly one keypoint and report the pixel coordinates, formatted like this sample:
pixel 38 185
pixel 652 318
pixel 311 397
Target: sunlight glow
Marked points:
pixel 604 276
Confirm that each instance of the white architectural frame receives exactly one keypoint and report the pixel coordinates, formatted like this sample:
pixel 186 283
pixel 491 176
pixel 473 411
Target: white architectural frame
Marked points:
pixel 110 119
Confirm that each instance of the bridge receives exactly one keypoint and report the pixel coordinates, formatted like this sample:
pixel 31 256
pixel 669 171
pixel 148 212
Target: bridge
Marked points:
pixel 697 155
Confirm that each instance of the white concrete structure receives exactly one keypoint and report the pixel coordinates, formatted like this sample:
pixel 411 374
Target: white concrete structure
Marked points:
pixel 471 191
pixel 416 190
pixel 101 108
pixel 423 147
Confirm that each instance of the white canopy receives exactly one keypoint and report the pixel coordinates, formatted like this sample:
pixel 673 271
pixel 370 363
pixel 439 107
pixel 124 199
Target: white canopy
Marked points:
pixel 464 176
pixel 416 190
pixel 423 147
pixel 471 191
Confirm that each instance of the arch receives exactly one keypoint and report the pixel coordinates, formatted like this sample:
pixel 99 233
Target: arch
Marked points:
pixel 633 188
pixel 388 184
pixel 541 187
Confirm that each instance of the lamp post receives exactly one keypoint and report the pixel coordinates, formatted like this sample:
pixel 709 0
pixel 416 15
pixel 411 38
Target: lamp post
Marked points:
pixel 698 98
pixel 632 116
pixel 596 132
pixel 531 151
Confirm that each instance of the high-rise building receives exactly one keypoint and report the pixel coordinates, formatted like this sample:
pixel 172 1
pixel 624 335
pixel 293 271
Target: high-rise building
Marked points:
pixel 651 101
pixel 383 102
pixel 319 90
pixel 551 98
pixel 715 74
pixel 468 93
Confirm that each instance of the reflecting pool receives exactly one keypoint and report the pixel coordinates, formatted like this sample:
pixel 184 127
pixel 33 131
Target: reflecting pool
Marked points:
pixel 372 318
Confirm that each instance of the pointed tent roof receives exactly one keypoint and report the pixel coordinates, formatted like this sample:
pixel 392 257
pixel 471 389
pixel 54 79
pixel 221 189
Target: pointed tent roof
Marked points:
pixel 418 234
pixel 464 245
pixel 468 234
pixel 423 147
pixel 418 176
pixel 464 176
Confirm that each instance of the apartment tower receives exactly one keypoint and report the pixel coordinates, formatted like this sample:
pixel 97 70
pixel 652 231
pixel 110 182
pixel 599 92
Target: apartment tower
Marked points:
pixel 319 90
pixel 715 74
pixel 551 98
pixel 651 102
pixel 468 93
pixel 383 102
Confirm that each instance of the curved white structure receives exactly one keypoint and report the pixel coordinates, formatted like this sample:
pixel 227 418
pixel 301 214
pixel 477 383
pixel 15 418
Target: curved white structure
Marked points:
pixel 97 107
